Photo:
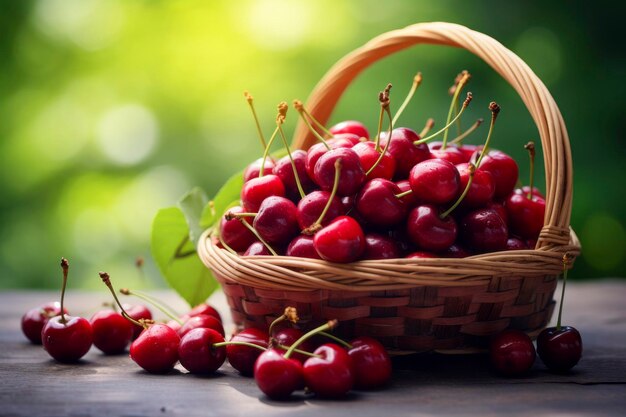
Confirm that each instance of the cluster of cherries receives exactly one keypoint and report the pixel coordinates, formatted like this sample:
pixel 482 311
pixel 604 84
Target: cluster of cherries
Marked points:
pixel 352 197
pixel 281 359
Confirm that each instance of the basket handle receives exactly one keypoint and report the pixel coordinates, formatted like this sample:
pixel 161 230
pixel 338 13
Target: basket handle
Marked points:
pixel 534 94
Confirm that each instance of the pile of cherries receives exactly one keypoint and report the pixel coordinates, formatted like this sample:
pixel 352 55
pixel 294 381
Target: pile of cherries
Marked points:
pixel 398 194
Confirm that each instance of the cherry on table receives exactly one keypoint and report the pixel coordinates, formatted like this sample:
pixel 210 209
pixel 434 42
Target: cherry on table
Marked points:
pixel 156 349
pixel 111 331
pixel 138 312
pixel 34 319
pixel 330 374
pixel 371 365
pixel 201 321
pixel 197 353
pixel 205 308
pixel 242 358
pixel 287 336
pixel 276 376
pixel 512 352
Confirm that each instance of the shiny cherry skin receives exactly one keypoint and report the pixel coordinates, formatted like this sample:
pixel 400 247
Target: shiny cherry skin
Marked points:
pixel 258 189
pixel 341 241
pixel 526 189
pixel 378 205
pixel 371 365
pixel 254 169
pixel 560 349
pixel 234 234
pixel 287 336
pixel 35 318
pixel 435 181
pixel 351 137
pixel 469 150
pixel 302 247
pixel 410 200
pixel 421 255
pixel 284 171
pixel 111 332
pixel 329 376
pixel 156 349
pixel 67 341
pixel 512 353
pixel 451 154
pixel 350 126
pixel 481 191
pixel 316 151
pixel 525 215
pixel 242 358
pixel 428 230
pixel 197 353
pixel 311 206
pixel 257 249
pixel 137 312
pixel 368 155
pixel 204 308
pixel 483 230
pixel 276 376
pixel 404 151
pixel 379 246
pixel 513 243
pixel 276 220
pixel 351 177
pixel 201 321
pixel 504 171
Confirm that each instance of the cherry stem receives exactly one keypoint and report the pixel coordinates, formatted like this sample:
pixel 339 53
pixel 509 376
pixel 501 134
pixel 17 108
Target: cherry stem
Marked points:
pixel 300 108
pixel 460 82
pixel 318 223
pixel 293 163
pixel 153 301
pixel 468 132
pixel 495 110
pixel 300 351
pixel 383 98
pixel 471 168
pixel 252 345
pixel 267 151
pixel 417 81
pixel 403 194
pixel 107 281
pixel 558 321
pixel 290 313
pixel 65 265
pixel 256 234
pixel 530 147
pixel 327 326
pixel 226 246
pixel 336 339
pixel 250 101
pixel 385 106
pixel 467 101
pixel 427 127
pixel 230 215
pixel 298 105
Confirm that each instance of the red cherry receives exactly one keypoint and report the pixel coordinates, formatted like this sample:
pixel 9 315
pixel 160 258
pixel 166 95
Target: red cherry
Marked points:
pixel 276 376
pixel 560 349
pixel 276 222
pixel 513 243
pixel 197 353
pixel 342 240
pixel 330 375
pixel 351 176
pixel 353 138
pixel 483 230
pixel 526 189
pixel 470 150
pixel 428 230
pixel 257 249
pixel 350 126
pixel 156 349
pixel 455 251
pixel 368 155
pixel 258 189
pixel 111 332
pixel 409 199
pixel 302 246
pixel 504 171
pixel 204 308
pixel 512 352
pixel 316 151
pixel 311 206
pixel 288 336
pixel 35 318
pixel 242 358
pixel 378 246
pixel 525 215
pixel 284 171
pixel 234 234
pixel 378 205
pixel 201 321
pixel 404 151
pixel 481 190
pixel 67 338
pixel 253 170
pixel 451 154
pixel 371 364
pixel 421 255
pixel 138 312
pixel 435 181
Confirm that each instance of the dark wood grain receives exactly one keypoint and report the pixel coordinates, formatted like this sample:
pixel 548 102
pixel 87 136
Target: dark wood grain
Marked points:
pixel 423 384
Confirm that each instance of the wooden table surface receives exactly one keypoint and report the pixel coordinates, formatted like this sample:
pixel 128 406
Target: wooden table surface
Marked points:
pixel 31 384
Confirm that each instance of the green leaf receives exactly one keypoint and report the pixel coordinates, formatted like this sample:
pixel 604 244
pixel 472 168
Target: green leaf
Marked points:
pixel 192 204
pixel 177 259
pixel 229 192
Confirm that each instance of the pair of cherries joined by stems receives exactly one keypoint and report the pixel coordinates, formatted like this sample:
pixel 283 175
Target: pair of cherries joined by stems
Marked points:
pixel 397 195
pixel 560 347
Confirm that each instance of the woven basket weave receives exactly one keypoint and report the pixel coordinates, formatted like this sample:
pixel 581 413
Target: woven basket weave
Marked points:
pixel 418 304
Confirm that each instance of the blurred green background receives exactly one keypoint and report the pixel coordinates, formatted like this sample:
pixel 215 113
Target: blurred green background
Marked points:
pixel 111 109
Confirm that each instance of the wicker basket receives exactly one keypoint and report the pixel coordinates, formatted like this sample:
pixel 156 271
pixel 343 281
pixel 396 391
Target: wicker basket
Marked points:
pixel 418 304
